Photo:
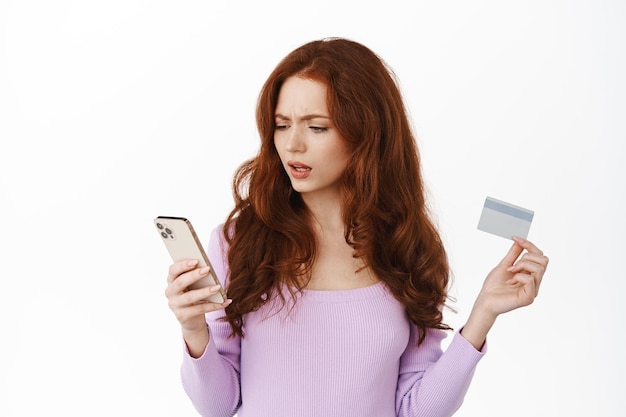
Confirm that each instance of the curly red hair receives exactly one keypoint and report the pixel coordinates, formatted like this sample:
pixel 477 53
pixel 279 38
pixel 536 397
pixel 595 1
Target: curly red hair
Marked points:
pixel 387 221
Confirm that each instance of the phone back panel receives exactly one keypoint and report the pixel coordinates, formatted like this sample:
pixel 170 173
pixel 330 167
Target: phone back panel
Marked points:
pixel 182 242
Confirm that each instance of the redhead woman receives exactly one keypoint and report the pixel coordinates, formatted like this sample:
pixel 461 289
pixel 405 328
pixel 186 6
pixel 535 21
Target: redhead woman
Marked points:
pixel 335 273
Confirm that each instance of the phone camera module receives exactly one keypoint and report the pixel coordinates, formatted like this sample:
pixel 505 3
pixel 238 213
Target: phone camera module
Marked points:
pixel 166 232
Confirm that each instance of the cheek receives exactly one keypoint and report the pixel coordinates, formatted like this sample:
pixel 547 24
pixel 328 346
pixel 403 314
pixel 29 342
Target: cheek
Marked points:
pixel 340 162
pixel 343 156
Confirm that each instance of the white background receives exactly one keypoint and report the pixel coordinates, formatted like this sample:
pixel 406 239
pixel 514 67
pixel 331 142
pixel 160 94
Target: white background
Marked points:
pixel 114 112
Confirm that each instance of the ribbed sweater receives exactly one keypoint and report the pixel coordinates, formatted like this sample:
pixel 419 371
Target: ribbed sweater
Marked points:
pixel 336 353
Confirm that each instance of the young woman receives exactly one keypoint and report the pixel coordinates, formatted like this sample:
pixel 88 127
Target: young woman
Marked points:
pixel 335 273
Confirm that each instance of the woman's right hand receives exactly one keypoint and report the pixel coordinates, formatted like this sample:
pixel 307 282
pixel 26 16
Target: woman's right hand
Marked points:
pixel 189 307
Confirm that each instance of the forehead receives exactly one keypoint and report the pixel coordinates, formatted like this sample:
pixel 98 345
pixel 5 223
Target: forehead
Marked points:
pixel 302 96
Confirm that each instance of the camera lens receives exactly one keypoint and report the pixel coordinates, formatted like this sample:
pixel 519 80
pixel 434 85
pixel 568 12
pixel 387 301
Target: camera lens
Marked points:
pixel 164 235
pixel 159 226
pixel 168 231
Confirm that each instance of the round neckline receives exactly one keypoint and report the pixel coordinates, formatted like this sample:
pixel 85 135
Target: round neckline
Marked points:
pixel 370 291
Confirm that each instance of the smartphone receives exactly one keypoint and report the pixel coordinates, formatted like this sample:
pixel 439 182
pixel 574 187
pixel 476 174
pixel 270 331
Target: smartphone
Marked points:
pixel 182 242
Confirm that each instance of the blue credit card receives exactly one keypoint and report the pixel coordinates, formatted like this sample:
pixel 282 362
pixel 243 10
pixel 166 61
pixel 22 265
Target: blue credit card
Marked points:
pixel 505 219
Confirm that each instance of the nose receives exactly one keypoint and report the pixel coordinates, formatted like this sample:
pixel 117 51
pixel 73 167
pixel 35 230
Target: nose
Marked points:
pixel 295 140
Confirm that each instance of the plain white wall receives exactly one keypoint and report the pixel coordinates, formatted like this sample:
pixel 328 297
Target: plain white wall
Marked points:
pixel 114 112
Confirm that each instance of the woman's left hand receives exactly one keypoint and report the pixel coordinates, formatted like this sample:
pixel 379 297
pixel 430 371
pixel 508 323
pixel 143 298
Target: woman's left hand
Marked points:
pixel 515 281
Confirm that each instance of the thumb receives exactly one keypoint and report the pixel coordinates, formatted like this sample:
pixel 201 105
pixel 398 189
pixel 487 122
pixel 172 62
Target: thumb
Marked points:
pixel 513 253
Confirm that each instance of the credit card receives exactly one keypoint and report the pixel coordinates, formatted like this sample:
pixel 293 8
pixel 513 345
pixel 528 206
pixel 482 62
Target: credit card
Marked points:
pixel 505 219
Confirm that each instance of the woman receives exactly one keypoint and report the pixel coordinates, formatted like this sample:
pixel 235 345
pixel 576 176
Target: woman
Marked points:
pixel 336 273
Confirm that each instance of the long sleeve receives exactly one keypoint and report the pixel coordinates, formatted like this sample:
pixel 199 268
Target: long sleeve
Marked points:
pixel 431 382
pixel 212 380
pixel 349 353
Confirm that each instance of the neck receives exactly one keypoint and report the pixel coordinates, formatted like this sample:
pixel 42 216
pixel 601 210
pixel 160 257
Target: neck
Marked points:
pixel 326 213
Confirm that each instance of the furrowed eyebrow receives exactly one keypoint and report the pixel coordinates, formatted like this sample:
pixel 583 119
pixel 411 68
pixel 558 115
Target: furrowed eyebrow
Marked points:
pixel 307 117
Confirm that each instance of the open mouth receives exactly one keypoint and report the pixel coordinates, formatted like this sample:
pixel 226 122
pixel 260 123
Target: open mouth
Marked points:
pixel 299 170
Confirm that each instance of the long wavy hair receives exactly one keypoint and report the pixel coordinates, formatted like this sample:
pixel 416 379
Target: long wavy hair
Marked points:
pixel 269 231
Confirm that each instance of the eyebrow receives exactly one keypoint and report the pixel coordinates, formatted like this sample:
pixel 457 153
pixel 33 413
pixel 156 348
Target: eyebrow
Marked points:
pixel 305 117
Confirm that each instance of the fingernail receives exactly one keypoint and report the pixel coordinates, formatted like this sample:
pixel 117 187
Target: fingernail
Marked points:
pixel 215 288
pixel 205 270
pixel 192 262
pixel 511 268
pixel 228 302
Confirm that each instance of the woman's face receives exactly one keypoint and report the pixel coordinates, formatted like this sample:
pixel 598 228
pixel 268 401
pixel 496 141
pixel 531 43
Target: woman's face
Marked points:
pixel 312 152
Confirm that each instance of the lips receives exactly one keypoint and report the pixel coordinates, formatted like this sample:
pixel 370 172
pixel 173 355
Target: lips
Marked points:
pixel 299 170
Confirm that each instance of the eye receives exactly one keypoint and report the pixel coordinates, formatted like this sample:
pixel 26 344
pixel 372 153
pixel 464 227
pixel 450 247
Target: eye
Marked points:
pixel 280 126
pixel 318 129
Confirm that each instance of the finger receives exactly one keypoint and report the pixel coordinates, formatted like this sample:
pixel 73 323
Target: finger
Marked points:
pixel 534 257
pixel 183 281
pixel 524 278
pixel 528 245
pixel 528 266
pixel 192 311
pixel 513 253
pixel 179 268
pixel 193 297
pixel 527 291
pixel 200 295
pixel 528 257
pixel 189 278
pixel 534 264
